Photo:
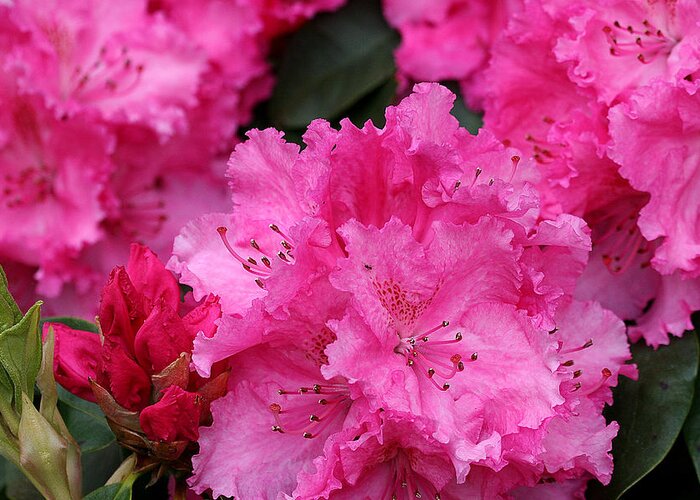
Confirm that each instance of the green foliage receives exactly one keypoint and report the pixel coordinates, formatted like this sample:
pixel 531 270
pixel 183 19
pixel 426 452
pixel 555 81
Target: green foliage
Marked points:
pixel 467 118
pixel 9 312
pixel 119 491
pixel 691 429
pixel 101 454
pixel 332 63
pixel 20 356
pixel 651 412
pixel 74 323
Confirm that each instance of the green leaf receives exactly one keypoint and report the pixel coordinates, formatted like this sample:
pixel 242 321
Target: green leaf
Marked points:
pixel 9 312
pixel 331 63
pixel 471 120
pixel 99 465
pixel 16 485
pixel 117 491
pixel 373 105
pixel 650 412
pixel 101 454
pixel 20 354
pixel 85 421
pixel 74 323
pixel 110 492
pixel 691 429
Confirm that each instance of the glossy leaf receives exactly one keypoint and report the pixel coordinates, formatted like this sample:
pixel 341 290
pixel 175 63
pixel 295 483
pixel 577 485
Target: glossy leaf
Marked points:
pixel 9 312
pixel 373 105
pixel 691 429
pixel 332 63
pixel 650 412
pixel 74 323
pixel 20 354
pixel 85 421
pixel 117 491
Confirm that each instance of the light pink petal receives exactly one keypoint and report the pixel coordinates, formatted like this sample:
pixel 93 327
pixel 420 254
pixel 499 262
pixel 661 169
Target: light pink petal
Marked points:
pixel 202 261
pixel 665 167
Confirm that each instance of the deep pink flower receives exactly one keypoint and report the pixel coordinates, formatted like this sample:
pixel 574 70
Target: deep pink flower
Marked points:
pixel 174 417
pixel 139 365
pixel 397 278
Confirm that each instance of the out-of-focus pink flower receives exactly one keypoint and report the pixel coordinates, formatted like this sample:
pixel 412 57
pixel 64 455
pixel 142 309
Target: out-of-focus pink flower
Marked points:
pixel 46 184
pixel 448 39
pixel 139 364
pixel 397 278
pixel 113 59
pixel 114 115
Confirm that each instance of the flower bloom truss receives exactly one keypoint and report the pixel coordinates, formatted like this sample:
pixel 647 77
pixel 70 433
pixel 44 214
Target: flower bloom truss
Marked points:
pixel 615 138
pixel 111 115
pixel 399 320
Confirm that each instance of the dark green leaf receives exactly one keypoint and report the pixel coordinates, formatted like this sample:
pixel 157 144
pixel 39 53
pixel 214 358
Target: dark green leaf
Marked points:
pixel 85 421
pixel 9 312
pixel 117 491
pixel 101 455
pixel 674 478
pixel 74 323
pixel 99 465
pixel 691 429
pixel 471 120
pixel 650 411
pixel 373 105
pixel 20 353
pixel 16 485
pixel 331 63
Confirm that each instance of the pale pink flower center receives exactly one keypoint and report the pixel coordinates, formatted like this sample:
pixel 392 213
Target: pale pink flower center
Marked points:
pixel 434 358
pixel 28 186
pixel 406 484
pixel 31 180
pixel 568 366
pixel 624 243
pixel 261 265
pixel 311 409
pixel 645 41
pixel 141 214
pixel 544 152
pixel 112 74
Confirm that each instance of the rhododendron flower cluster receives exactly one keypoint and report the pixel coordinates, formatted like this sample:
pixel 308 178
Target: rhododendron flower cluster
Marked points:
pixel 398 319
pixel 137 369
pixel 603 96
pixel 112 114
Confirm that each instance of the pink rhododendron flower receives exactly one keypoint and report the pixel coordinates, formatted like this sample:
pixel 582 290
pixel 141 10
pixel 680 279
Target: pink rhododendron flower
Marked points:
pixel 617 46
pixel 112 116
pixel 448 39
pixel 594 160
pixel 397 278
pixel 138 367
